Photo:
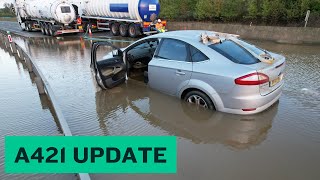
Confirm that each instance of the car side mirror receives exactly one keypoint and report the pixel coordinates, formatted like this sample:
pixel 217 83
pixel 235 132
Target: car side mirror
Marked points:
pixel 117 53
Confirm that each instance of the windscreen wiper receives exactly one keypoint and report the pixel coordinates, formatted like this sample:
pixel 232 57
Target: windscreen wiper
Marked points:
pixel 157 56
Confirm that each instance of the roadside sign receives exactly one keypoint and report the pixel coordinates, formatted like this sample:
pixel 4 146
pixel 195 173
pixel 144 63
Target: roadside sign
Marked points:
pixel 10 38
pixel 307 18
pixel 307 15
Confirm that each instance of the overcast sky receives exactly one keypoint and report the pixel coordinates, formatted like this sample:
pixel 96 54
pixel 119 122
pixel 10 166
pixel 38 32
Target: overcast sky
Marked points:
pixel 5 1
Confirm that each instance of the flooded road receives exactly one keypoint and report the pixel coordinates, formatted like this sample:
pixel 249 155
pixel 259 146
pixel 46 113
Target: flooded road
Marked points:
pixel 22 111
pixel 280 143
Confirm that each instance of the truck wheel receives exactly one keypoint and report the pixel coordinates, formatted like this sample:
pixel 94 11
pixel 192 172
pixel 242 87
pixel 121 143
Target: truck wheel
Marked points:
pixel 42 28
pixel 29 27
pixel 46 28
pixel 115 29
pixel 51 30
pixel 22 28
pixel 26 24
pixel 124 30
pixel 134 31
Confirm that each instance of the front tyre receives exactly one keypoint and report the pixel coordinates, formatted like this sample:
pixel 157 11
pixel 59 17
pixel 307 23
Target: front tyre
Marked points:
pixel 199 99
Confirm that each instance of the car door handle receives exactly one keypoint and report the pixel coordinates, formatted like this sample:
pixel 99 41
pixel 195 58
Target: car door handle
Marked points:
pixel 180 73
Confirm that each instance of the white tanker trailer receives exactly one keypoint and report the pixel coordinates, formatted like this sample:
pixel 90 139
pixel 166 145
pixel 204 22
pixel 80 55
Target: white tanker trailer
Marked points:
pixel 122 17
pixel 52 17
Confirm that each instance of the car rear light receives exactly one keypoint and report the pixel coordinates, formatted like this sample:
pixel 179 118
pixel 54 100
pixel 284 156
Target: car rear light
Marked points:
pixel 252 109
pixel 252 79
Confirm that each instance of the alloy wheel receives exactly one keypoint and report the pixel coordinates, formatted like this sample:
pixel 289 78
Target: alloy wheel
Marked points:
pixel 197 100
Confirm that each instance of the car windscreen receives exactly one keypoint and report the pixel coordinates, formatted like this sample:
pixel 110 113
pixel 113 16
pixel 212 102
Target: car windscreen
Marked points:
pixel 253 48
pixel 65 9
pixel 234 52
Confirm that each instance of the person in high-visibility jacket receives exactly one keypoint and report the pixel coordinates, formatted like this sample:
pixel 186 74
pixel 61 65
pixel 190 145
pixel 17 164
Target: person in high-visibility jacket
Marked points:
pixel 159 26
pixel 79 23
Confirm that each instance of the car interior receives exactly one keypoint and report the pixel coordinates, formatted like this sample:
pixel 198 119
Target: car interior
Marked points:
pixel 138 59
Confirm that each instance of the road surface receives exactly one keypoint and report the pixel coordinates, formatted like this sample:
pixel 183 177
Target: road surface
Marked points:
pixel 14 28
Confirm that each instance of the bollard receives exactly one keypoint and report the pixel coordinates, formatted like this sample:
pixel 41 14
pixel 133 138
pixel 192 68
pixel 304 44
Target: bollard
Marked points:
pixel 40 85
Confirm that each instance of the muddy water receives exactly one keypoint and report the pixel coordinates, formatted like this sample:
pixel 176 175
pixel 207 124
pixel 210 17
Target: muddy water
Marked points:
pixel 280 143
pixel 22 111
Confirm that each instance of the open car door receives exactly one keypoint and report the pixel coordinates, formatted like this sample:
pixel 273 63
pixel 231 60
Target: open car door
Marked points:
pixel 111 70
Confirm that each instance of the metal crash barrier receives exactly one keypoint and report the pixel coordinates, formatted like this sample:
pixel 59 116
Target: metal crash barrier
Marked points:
pixel 43 86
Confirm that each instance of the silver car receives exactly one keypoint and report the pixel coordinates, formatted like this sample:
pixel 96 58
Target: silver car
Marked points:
pixel 228 75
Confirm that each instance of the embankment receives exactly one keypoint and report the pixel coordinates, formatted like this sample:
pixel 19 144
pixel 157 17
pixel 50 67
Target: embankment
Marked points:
pixel 290 35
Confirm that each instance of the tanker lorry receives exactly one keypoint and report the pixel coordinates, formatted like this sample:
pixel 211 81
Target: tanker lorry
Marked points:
pixel 51 17
pixel 122 17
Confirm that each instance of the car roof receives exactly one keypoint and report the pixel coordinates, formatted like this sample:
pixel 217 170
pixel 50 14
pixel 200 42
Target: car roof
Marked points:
pixel 191 35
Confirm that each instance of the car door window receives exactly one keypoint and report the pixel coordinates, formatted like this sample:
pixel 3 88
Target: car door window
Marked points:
pixel 147 44
pixel 142 46
pixel 173 50
pixel 197 55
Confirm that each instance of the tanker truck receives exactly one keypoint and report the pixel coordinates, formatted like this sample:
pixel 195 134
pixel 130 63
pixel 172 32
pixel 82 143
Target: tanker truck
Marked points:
pixel 51 17
pixel 122 17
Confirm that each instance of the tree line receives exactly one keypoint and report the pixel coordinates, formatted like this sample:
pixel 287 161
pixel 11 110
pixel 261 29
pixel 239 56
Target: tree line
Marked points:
pixel 271 12
pixel 7 10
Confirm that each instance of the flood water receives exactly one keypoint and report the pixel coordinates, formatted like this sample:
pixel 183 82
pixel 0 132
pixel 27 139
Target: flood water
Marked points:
pixel 280 143
pixel 22 111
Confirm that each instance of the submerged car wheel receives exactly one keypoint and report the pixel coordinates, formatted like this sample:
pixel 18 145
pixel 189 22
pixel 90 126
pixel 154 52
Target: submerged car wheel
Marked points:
pixel 199 99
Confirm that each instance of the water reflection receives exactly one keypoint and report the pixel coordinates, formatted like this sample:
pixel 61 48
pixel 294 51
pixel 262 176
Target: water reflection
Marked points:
pixel 20 111
pixel 183 120
pixel 65 46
